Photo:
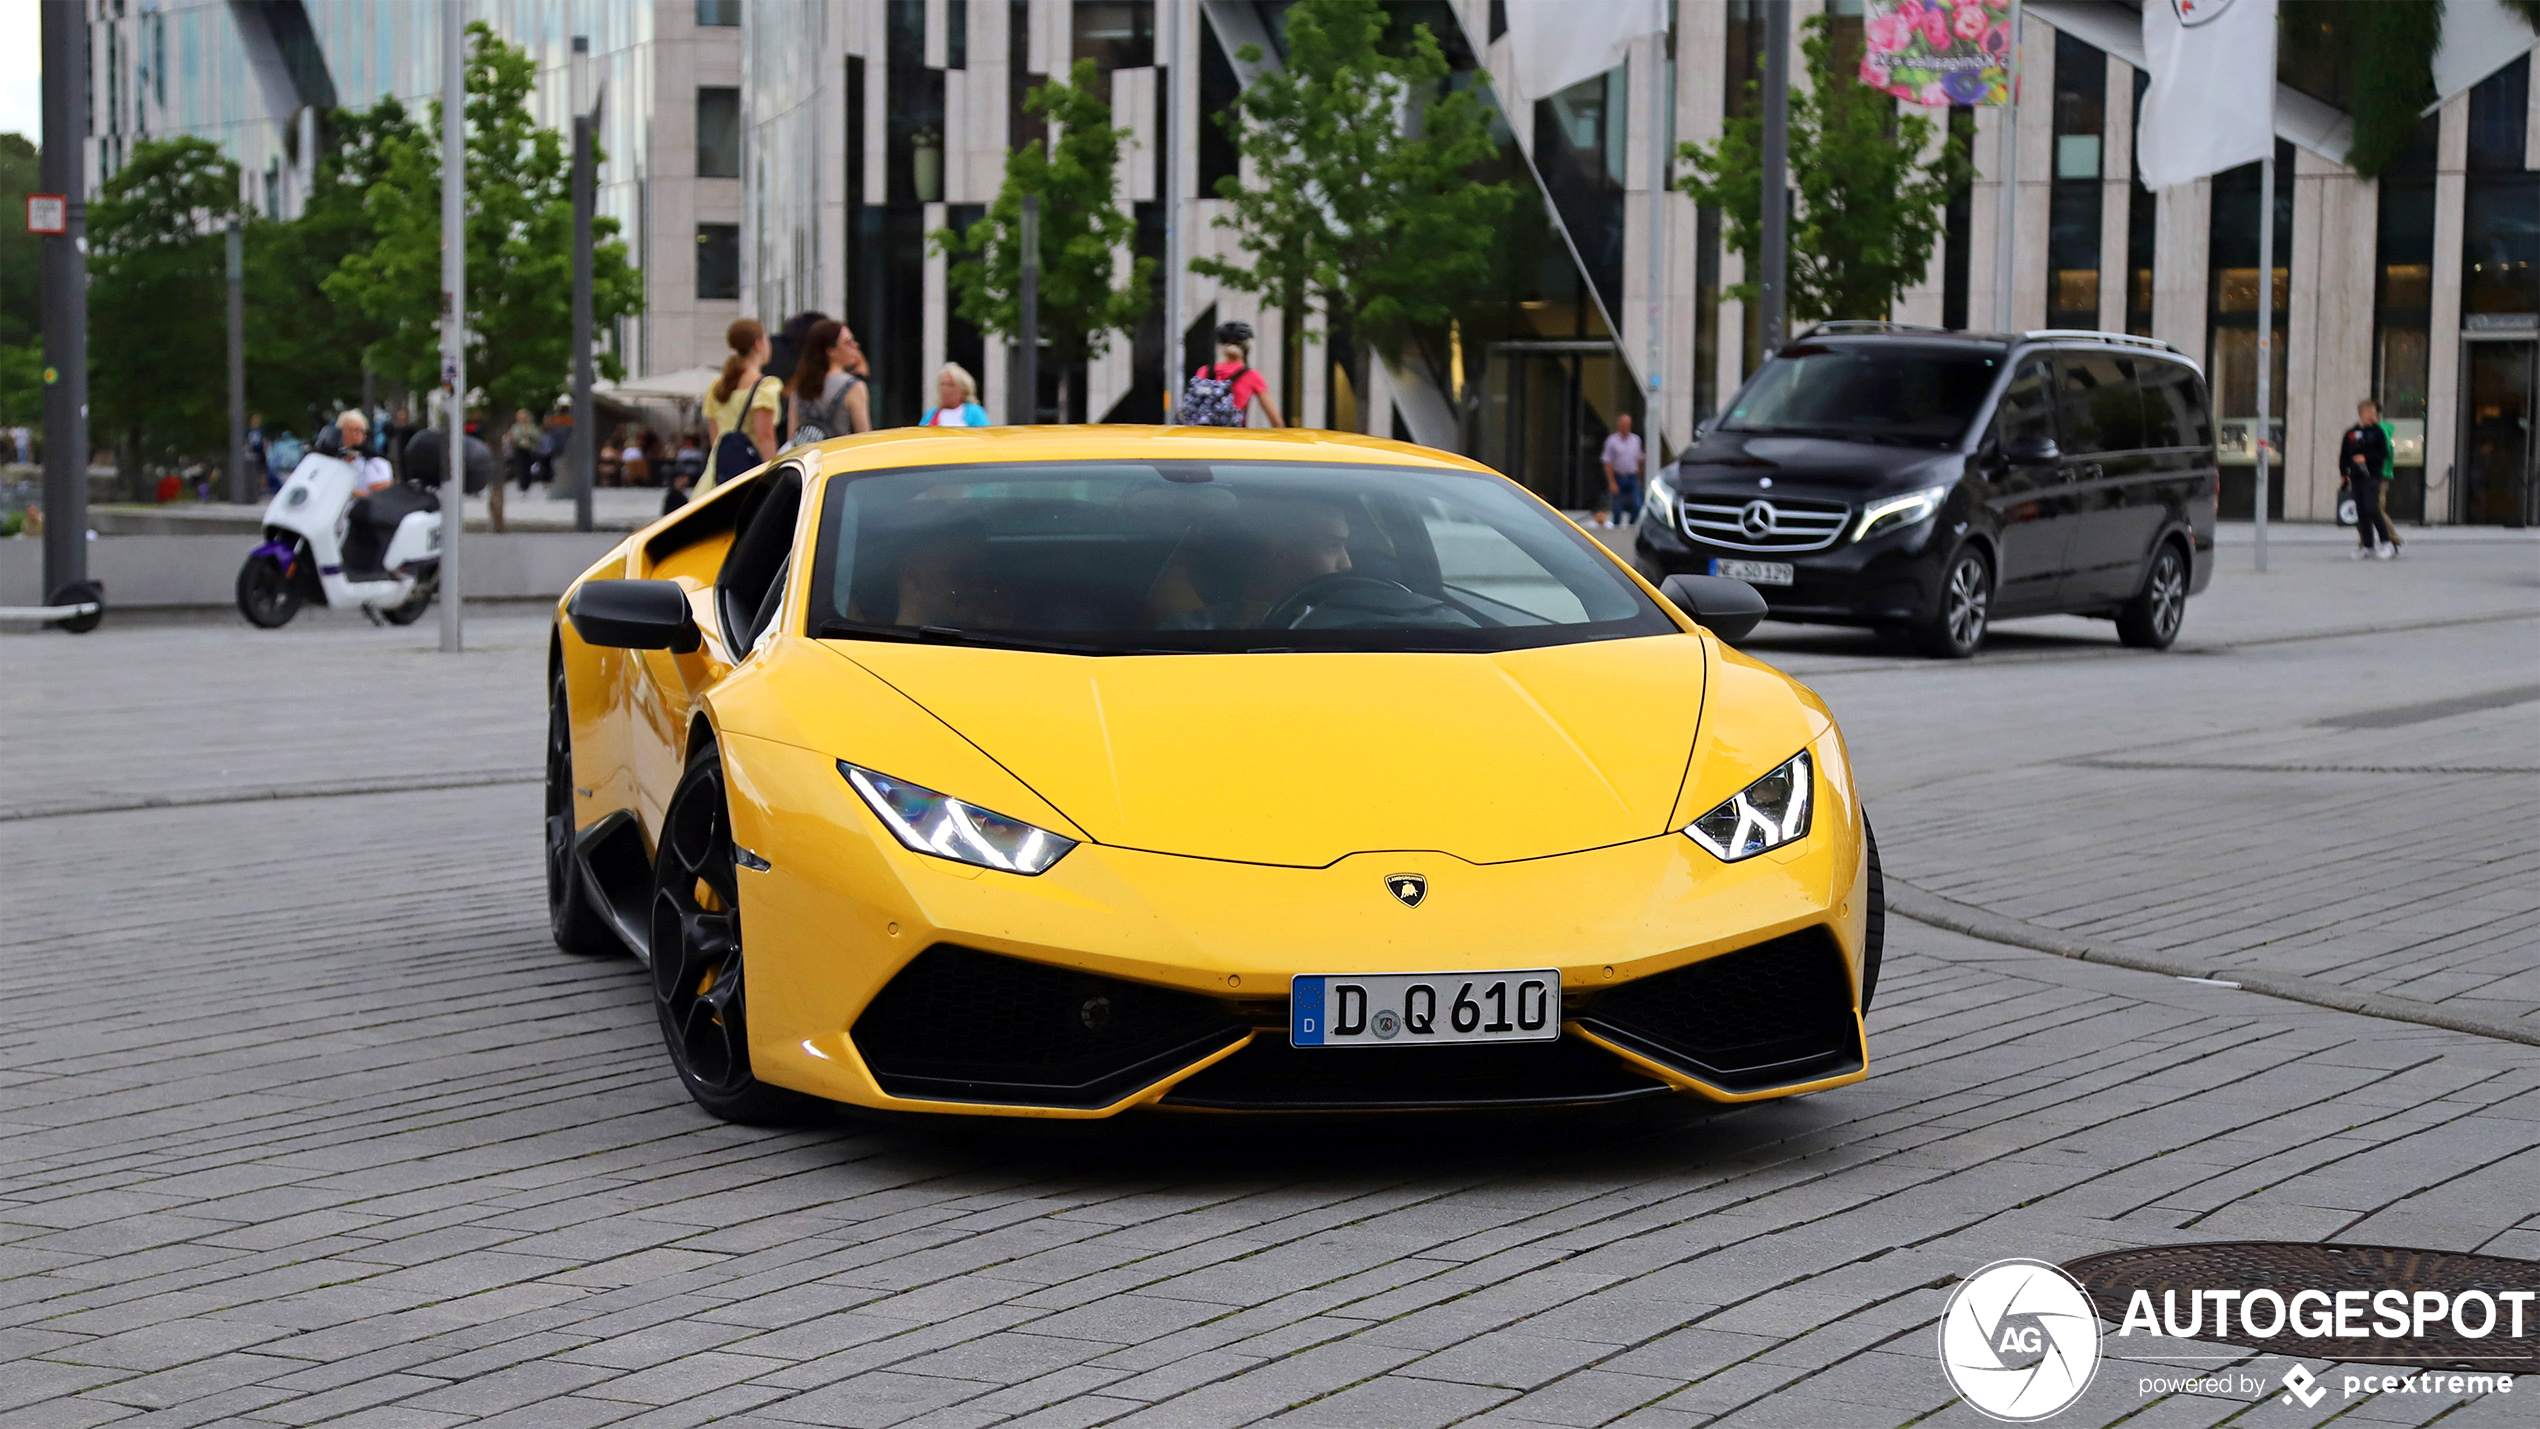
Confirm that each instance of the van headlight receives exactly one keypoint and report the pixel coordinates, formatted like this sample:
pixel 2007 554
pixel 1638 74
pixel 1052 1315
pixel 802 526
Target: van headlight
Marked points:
pixel 1662 501
pixel 1761 817
pixel 1894 513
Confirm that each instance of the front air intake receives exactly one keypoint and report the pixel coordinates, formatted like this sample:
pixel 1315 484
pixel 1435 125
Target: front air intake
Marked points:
pixel 1765 1016
pixel 958 1024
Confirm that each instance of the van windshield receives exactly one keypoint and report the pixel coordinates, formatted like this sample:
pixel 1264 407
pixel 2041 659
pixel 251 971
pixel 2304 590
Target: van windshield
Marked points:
pixel 1886 392
pixel 1125 558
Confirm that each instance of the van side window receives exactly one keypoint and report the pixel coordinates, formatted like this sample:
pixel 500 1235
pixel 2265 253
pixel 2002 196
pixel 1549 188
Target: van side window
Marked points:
pixel 2099 407
pixel 2172 415
pixel 2027 412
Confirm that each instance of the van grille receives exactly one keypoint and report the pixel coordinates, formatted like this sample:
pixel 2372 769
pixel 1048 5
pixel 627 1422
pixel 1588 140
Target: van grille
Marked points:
pixel 1764 523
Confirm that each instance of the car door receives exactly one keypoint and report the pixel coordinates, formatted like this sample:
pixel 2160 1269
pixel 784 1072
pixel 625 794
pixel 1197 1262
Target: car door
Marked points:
pixel 2029 500
pixel 2099 412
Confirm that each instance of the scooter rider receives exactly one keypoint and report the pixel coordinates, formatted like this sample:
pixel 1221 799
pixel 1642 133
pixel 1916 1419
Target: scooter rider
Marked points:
pixel 370 473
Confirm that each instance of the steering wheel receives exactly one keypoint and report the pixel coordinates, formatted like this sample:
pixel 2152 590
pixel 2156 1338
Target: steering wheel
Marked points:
pixel 1373 594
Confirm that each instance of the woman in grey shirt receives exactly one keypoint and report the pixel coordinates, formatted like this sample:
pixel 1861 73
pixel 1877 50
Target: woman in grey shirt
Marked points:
pixel 830 398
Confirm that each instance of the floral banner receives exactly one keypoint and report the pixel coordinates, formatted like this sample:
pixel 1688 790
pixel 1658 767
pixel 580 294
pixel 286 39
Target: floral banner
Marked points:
pixel 1939 51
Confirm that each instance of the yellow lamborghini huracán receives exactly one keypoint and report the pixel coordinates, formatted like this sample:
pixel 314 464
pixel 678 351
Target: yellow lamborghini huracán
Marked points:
pixel 1059 772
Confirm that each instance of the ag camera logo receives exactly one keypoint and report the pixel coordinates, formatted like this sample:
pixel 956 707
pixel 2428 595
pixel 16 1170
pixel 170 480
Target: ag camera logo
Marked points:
pixel 2019 1340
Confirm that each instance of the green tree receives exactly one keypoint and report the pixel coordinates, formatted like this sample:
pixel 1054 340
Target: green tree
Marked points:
pixel 305 352
pixel 1082 234
pixel 1869 208
pixel 519 245
pixel 21 319
pixel 157 306
pixel 1363 194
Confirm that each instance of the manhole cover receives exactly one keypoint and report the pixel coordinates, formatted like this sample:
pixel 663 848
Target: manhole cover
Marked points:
pixel 2289 1268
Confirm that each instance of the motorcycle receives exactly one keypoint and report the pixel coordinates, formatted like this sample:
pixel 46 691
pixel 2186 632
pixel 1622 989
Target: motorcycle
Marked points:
pixel 324 545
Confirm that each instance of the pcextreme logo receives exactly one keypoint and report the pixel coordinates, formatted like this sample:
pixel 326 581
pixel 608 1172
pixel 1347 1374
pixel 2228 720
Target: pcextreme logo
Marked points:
pixel 2019 1340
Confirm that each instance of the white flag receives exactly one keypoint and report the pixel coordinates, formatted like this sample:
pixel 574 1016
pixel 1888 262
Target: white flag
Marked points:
pixel 2211 106
pixel 1557 43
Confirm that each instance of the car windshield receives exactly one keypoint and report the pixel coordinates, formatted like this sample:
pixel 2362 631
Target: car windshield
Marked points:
pixel 1190 557
pixel 1886 392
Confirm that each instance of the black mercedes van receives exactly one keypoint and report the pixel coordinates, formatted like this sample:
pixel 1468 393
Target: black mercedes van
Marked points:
pixel 1930 482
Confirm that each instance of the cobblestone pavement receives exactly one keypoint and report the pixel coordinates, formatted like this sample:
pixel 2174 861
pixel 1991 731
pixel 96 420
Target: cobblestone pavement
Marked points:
pixel 307 1122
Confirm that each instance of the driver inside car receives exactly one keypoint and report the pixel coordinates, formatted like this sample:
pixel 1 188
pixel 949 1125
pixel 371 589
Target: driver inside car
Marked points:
pixel 1274 549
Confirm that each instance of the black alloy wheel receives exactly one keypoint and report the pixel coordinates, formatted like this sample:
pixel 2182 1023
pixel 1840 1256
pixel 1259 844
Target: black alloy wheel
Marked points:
pixel 2151 620
pixel 266 595
pixel 1956 630
pixel 576 924
pixel 698 979
pixel 1874 928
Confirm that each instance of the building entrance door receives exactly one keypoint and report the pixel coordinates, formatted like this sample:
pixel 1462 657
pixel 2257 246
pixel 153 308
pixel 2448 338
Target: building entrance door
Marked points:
pixel 2499 485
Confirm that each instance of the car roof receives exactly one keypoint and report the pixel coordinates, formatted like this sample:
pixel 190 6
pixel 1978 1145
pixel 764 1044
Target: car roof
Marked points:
pixel 945 446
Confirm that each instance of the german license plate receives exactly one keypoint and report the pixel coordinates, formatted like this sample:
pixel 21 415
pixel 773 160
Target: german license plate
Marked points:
pixel 1424 1009
pixel 1756 572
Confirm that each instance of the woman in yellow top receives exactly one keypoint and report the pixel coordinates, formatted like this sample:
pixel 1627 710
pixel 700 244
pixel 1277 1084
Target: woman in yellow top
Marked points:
pixel 740 408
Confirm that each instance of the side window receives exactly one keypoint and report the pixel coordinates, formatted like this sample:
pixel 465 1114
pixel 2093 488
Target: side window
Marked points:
pixel 1477 560
pixel 2027 412
pixel 2098 405
pixel 2169 404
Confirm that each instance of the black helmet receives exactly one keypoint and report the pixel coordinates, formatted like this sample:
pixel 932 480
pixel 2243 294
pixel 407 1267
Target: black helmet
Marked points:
pixel 1234 334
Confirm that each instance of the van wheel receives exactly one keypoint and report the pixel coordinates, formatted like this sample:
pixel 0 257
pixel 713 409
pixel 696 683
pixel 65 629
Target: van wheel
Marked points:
pixel 1956 630
pixel 2151 620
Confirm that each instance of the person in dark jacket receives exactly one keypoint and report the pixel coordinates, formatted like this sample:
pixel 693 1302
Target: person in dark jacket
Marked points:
pixel 2363 454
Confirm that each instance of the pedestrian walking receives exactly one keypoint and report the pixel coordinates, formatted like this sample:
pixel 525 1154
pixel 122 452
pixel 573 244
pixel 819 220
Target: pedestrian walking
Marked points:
pixel 259 452
pixel 956 399
pixel 1622 460
pixel 829 399
pixel 2363 459
pixel 1222 393
pixel 741 407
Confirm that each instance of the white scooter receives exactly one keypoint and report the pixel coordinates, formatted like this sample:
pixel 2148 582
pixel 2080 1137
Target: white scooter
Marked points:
pixel 325 546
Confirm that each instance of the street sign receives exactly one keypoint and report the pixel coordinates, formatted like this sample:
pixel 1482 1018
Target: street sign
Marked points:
pixel 48 214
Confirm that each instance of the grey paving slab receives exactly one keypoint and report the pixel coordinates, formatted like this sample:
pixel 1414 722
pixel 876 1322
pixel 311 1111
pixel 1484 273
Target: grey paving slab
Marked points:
pixel 310 1138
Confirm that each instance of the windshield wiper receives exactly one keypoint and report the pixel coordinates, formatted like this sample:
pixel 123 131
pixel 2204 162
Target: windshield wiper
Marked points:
pixel 834 629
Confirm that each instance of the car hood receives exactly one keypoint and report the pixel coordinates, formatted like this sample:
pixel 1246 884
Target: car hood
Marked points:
pixel 1737 458
pixel 1302 759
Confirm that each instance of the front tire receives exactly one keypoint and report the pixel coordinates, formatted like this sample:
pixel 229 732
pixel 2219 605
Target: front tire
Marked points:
pixel 1956 630
pixel 699 983
pixel 577 926
pixel 2151 620
pixel 266 595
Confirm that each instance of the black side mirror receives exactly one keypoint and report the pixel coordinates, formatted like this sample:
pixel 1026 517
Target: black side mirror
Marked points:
pixel 1730 608
pixel 634 615
pixel 2031 450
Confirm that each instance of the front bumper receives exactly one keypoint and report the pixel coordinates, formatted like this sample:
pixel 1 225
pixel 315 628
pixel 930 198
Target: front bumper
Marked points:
pixel 1890 579
pixel 1122 979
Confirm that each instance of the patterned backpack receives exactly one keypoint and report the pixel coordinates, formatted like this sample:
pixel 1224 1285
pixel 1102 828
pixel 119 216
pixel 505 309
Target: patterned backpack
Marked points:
pixel 1208 400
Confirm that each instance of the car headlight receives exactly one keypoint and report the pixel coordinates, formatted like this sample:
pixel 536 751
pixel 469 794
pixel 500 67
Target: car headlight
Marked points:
pixel 944 826
pixel 1763 816
pixel 1662 502
pixel 1897 512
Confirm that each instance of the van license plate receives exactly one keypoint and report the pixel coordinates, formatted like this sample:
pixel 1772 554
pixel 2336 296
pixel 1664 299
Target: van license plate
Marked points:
pixel 1424 1009
pixel 1757 572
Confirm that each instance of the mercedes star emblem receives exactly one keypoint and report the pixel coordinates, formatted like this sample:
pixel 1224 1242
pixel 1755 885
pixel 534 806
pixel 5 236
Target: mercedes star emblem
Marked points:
pixel 1756 519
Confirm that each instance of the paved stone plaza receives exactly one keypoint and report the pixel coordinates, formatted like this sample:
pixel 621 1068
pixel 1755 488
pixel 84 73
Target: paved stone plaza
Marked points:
pixel 308 1123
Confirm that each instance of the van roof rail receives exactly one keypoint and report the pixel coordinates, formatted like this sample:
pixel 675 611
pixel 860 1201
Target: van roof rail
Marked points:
pixel 1843 325
pixel 2121 339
